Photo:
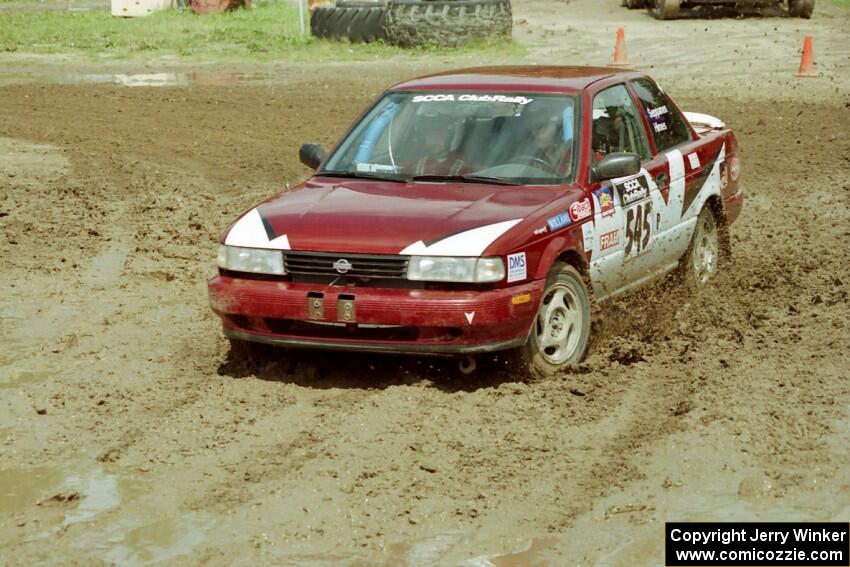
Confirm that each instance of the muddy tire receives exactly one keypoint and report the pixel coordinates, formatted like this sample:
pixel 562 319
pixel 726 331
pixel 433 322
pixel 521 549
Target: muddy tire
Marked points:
pixel 801 8
pixel 664 9
pixel 561 330
pixel 356 21
pixel 701 261
pixel 446 23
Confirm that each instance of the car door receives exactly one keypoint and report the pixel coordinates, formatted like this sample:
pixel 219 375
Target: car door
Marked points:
pixel 622 207
pixel 678 170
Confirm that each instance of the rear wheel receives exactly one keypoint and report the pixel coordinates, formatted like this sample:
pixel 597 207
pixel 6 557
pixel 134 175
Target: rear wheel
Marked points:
pixel 664 9
pixel 701 261
pixel 561 330
pixel 801 8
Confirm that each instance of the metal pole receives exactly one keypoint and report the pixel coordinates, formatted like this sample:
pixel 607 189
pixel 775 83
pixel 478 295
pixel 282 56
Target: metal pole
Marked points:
pixel 301 15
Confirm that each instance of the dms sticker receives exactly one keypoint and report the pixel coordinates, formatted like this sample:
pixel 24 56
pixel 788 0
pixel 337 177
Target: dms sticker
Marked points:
pixel 609 239
pixel 633 190
pixel 558 222
pixel 605 198
pixel 580 209
pixel 516 267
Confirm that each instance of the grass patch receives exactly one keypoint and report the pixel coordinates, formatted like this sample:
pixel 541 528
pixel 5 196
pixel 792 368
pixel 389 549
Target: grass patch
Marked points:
pixel 267 31
pixel 842 3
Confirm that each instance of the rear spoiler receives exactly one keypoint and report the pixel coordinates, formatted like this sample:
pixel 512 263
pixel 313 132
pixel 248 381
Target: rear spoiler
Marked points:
pixel 704 123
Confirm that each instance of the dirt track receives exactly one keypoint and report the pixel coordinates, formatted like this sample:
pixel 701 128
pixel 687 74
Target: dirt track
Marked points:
pixel 128 435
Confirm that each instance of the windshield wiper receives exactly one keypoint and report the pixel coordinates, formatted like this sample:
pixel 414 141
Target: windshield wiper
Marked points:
pixel 465 179
pixel 360 175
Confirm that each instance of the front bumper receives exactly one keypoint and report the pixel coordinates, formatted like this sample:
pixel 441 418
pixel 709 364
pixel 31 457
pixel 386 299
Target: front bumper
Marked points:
pixel 384 319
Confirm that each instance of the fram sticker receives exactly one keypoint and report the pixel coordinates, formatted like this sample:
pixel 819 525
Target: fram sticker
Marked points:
pixel 609 239
pixel 633 190
pixel 589 236
pixel 581 209
pixel 558 222
pixel 516 267
pixel 605 200
pixel 693 159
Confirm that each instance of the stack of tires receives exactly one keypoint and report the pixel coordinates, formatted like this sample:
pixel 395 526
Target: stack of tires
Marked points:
pixel 354 20
pixel 412 23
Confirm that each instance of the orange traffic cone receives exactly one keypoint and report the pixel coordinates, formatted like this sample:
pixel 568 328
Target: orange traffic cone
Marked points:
pixel 807 62
pixel 620 58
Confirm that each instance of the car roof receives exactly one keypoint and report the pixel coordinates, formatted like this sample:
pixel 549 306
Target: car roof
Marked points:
pixel 530 78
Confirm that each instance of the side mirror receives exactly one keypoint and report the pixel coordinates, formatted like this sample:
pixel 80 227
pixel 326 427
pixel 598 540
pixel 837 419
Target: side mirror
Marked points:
pixel 616 164
pixel 311 155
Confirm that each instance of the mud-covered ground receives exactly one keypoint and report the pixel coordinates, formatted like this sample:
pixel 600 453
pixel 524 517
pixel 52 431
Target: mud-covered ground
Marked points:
pixel 129 435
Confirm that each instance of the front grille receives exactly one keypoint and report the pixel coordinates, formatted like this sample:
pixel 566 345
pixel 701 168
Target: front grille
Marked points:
pixel 362 265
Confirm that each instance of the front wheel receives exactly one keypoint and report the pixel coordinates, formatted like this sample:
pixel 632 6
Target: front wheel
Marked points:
pixel 561 330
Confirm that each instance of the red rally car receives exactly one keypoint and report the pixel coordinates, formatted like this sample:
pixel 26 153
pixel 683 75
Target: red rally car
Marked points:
pixel 483 210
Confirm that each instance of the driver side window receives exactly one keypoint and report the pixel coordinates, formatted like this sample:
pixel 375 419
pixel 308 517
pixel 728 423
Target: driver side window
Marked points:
pixel 617 127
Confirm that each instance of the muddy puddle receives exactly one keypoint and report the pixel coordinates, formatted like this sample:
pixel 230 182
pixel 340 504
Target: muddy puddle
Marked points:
pixel 82 500
pixel 155 79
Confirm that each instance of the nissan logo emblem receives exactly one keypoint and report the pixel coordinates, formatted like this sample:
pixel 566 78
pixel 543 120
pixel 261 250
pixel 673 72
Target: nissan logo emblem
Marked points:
pixel 342 266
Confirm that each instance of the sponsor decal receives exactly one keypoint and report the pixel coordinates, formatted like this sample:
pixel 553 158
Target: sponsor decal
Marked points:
pixel 521 100
pixel 558 222
pixel 581 209
pixel 659 127
pixel 655 113
pixel 589 235
pixel 469 316
pixel 633 190
pixel 693 159
pixel 375 168
pixel 609 239
pixel 539 231
pixel 517 269
pixel 605 198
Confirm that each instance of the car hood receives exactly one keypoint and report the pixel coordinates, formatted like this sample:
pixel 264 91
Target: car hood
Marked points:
pixel 376 217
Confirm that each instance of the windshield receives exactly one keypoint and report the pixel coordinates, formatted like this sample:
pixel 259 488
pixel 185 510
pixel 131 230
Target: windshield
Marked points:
pixel 466 136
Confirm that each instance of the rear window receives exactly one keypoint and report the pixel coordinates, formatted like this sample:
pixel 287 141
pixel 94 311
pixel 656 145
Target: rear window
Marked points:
pixel 666 124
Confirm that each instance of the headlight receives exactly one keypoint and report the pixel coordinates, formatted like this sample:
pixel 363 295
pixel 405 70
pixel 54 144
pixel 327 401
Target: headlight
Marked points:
pixel 471 270
pixel 253 260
